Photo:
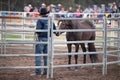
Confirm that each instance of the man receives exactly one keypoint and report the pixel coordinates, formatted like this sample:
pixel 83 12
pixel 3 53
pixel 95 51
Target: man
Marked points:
pixel 42 37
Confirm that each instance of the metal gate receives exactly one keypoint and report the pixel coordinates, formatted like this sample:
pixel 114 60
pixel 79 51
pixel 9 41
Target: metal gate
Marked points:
pixel 104 42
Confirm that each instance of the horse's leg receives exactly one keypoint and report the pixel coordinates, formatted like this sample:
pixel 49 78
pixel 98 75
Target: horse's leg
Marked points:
pixel 91 48
pixel 69 51
pixel 76 56
pixel 84 50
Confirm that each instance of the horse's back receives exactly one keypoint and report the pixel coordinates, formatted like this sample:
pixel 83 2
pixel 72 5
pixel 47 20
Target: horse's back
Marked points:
pixel 83 35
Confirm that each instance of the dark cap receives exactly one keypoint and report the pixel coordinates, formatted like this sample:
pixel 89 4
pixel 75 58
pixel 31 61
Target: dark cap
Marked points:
pixel 43 11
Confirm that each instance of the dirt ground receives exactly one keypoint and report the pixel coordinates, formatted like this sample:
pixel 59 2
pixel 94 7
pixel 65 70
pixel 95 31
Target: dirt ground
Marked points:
pixel 85 73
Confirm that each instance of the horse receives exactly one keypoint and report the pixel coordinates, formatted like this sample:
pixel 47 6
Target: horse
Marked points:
pixel 79 36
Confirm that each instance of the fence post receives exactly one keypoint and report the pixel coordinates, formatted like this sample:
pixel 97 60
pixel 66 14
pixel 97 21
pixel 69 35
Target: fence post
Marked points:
pixel 49 50
pixel 112 33
pixel 50 60
pixel 119 41
pixel 51 44
pixel 23 27
pixel 3 38
pixel 105 47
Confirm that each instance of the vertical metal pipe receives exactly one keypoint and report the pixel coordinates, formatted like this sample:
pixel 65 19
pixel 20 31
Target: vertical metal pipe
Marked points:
pixel 3 36
pixel 112 32
pixel 49 50
pixel 119 41
pixel 23 35
pixel 105 48
pixel 52 44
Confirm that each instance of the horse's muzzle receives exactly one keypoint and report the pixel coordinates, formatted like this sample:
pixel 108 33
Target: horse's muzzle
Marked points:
pixel 58 33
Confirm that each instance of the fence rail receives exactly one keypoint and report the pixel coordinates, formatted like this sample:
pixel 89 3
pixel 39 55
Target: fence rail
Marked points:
pixel 4 30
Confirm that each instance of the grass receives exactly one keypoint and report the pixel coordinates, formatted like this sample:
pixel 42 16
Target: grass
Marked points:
pixel 18 35
pixel 12 36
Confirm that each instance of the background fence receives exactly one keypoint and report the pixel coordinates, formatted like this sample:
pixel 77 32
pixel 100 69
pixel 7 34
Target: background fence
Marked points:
pixel 17 31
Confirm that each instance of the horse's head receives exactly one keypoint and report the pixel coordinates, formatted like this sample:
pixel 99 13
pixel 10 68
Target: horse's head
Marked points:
pixel 64 24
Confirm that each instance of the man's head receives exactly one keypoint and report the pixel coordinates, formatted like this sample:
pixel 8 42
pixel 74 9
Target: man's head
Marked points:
pixel 43 11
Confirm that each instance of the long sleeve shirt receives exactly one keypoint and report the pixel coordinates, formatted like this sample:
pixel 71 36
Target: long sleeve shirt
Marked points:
pixel 43 25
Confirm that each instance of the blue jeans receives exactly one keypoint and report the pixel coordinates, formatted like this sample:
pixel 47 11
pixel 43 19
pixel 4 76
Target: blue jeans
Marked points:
pixel 39 49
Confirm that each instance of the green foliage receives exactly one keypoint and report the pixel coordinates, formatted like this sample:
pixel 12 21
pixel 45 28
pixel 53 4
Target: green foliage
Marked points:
pixel 12 36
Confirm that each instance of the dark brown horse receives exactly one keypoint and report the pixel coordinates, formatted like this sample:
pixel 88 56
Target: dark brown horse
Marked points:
pixel 79 36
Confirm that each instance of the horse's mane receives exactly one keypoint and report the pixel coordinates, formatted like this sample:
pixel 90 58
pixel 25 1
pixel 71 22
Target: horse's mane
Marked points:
pixel 70 23
pixel 87 21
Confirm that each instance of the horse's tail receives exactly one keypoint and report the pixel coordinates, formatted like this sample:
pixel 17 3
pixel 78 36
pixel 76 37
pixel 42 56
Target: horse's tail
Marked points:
pixel 90 23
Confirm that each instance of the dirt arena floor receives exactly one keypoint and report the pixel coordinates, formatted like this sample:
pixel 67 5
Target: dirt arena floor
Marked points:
pixel 85 73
